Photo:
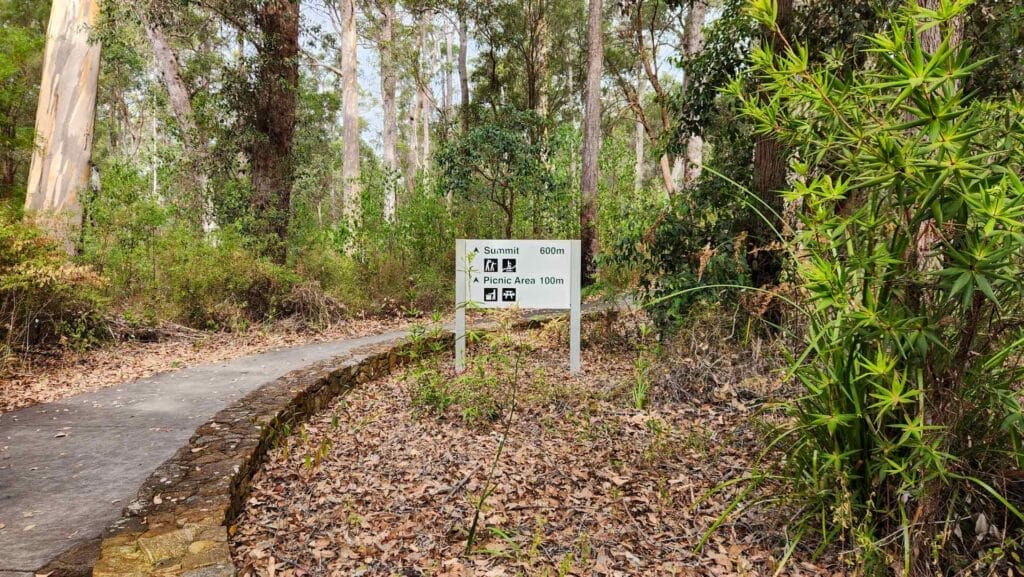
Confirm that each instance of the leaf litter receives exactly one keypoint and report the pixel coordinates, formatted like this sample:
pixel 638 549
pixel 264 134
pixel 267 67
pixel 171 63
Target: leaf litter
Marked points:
pixel 587 484
pixel 58 373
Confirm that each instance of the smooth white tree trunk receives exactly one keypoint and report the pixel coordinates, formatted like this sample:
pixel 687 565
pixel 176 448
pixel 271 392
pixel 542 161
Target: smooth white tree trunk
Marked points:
pixel 640 138
pixel 388 83
pixel 463 68
pixel 412 163
pixel 65 118
pixel 351 198
pixel 449 64
pixel 425 82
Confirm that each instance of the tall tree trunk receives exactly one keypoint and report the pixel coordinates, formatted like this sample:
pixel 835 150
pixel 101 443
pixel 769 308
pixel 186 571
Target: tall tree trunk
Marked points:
pixel 449 63
pixel 425 82
pixel 640 138
pixel 351 199
pixel 170 74
pixel 181 106
pixel 8 165
pixel 275 103
pixel 463 68
pixel 591 140
pixel 387 89
pixel 770 167
pixel 65 118
pixel 412 163
pixel 543 57
pixel 693 45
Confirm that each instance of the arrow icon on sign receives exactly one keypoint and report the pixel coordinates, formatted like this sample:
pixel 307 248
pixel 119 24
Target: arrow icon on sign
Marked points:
pixel 476 279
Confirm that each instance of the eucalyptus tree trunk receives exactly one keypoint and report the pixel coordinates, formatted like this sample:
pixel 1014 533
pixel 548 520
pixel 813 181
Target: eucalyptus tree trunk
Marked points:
pixel 65 118
pixel 693 44
pixel 351 199
pixel 931 38
pixel 181 105
pixel 591 140
pixel 412 162
pixel 640 138
pixel 387 90
pixel 426 92
pixel 449 64
pixel 769 179
pixel 277 84
pixel 463 69
pixel 170 74
pixel 543 57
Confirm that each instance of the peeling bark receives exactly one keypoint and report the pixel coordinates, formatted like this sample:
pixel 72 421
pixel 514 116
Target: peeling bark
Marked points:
pixel 65 118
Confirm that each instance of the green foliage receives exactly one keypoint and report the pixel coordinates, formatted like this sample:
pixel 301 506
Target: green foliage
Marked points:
pixel 44 299
pixel 910 252
pixel 160 268
pixel 698 243
pixel 22 33
pixel 647 352
pixel 727 47
pixel 478 394
pixel 500 163
pixel 995 29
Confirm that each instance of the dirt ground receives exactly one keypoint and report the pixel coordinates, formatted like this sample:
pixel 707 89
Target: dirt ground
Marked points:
pixel 389 479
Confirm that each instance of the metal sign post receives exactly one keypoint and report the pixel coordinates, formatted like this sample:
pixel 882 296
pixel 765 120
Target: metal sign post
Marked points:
pixel 526 274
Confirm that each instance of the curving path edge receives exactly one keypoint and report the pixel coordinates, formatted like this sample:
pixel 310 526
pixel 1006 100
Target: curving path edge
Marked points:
pixel 145 478
pixel 69 468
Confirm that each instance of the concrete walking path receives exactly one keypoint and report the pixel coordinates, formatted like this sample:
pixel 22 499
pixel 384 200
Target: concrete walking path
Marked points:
pixel 68 468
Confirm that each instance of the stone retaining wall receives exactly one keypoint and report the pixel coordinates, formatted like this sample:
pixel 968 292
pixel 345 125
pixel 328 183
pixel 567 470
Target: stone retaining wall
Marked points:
pixel 178 524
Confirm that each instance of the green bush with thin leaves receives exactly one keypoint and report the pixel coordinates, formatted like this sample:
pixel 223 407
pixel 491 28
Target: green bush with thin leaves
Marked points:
pixel 907 442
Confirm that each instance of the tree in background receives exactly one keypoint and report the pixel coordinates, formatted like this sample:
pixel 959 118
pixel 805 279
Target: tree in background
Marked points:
pixel 22 39
pixel 351 197
pixel 591 139
pixel 645 30
pixel 388 87
pixel 274 98
pixel 64 121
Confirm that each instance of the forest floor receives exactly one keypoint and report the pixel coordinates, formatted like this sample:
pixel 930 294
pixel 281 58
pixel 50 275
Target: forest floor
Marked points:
pixel 58 373
pixel 388 479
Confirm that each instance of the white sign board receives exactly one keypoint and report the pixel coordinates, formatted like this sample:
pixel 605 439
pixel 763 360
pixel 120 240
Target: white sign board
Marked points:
pixel 528 274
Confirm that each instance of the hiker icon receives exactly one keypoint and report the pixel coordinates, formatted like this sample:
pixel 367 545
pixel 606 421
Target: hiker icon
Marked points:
pixel 490 265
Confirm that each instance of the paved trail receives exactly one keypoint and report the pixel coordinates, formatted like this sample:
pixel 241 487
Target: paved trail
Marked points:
pixel 68 468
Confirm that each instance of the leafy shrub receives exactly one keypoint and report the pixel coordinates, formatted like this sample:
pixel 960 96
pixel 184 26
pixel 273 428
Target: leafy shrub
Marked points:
pixel 477 393
pixel 44 298
pixel 160 267
pixel 695 245
pixel 481 393
pixel 910 251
